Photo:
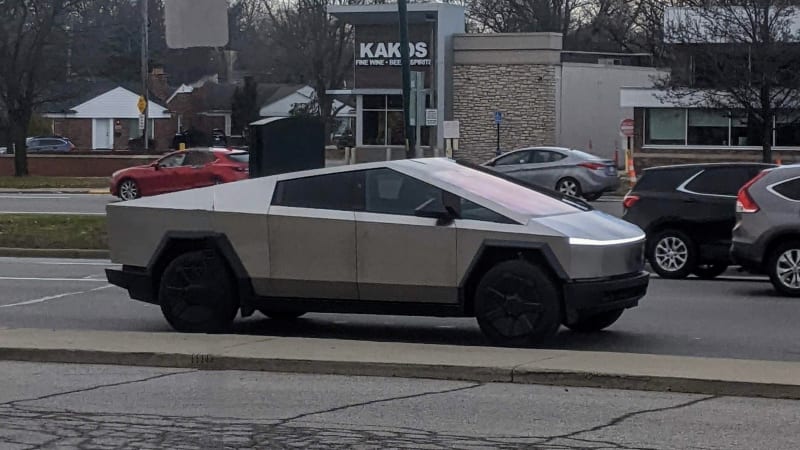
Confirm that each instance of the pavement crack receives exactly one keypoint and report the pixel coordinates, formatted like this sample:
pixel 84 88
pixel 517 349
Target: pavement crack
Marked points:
pixel 93 388
pixel 619 419
pixel 373 402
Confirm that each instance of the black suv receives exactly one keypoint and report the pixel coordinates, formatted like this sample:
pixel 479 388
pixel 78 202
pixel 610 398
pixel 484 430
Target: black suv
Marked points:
pixel 688 213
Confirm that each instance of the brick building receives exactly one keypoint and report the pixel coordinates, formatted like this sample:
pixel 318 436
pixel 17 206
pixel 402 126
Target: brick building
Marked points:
pixel 542 94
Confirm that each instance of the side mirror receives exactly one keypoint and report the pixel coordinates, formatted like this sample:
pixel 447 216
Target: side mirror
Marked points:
pixel 155 165
pixel 434 209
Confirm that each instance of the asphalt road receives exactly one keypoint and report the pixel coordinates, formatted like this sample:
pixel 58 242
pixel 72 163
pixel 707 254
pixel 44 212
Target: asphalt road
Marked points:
pixel 96 204
pixel 736 317
pixel 101 407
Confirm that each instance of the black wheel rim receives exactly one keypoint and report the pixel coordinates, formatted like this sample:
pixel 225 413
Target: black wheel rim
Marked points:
pixel 513 307
pixel 191 299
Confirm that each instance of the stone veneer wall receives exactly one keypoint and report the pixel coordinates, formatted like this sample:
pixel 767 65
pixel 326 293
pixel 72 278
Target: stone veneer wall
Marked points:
pixel 525 94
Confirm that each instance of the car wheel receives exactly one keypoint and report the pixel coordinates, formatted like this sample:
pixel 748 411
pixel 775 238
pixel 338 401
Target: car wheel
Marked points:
pixel 517 304
pixel 595 322
pixel 671 254
pixel 593 197
pixel 197 293
pixel 709 271
pixel 282 315
pixel 784 268
pixel 569 186
pixel 128 190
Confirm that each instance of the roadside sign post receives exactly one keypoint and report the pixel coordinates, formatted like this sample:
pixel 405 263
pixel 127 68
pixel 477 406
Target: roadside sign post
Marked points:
pixel 452 132
pixel 498 117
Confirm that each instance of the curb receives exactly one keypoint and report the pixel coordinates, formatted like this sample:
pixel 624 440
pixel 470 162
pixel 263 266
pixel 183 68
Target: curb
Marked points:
pixel 643 372
pixel 53 253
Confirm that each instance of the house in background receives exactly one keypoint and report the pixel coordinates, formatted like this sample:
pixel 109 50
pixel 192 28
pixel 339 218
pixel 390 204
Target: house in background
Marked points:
pixel 206 104
pixel 106 118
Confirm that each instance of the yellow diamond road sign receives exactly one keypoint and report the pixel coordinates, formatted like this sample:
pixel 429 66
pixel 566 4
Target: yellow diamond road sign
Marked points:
pixel 141 104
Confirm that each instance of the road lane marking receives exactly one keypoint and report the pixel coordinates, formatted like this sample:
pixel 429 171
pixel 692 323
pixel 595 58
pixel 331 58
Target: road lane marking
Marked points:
pixel 48 279
pixel 54 297
pixel 56 263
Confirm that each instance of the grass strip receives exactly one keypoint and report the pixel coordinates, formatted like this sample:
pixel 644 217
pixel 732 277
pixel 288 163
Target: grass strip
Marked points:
pixel 52 231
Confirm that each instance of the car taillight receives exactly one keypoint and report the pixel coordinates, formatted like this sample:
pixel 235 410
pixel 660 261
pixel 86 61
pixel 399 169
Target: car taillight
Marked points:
pixel 592 165
pixel 629 201
pixel 744 202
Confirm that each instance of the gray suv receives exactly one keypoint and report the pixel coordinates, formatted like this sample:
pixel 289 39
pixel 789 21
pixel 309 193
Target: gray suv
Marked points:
pixel 766 238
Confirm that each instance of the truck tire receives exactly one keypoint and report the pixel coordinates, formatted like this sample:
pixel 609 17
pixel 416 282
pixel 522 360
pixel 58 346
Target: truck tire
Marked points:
pixel 197 293
pixel 783 266
pixel 595 322
pixel 517 304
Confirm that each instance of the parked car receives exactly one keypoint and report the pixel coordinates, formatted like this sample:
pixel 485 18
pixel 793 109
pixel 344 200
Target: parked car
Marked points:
pixel 417 237
pixel 49 144
pixel 688 212
pixel 178 171
pixel 568 171
pixel 766 238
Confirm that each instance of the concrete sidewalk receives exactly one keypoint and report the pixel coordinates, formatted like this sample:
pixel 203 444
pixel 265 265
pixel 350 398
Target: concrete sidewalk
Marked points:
pixel 771 379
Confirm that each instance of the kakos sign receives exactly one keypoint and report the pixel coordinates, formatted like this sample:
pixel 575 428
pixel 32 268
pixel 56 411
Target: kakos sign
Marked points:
pixel 377 54
pixel 388 54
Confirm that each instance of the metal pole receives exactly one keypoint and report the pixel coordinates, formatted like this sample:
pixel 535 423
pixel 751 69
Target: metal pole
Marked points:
pixel 406 67
pixel 145 44
pixel 497 152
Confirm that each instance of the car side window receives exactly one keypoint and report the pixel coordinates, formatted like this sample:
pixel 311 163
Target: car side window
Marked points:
pixel 195 159
pixel 172 160
pixel 336 191
pixel 522 157
pixel 546 156
pixel 472 211
pixel 390 192
pixel 720 181
pixel 789 189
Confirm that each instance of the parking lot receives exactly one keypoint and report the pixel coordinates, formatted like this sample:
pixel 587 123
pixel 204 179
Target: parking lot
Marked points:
pixel 735 316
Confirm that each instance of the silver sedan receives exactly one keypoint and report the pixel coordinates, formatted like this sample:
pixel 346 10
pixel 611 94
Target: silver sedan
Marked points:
pixel 568 171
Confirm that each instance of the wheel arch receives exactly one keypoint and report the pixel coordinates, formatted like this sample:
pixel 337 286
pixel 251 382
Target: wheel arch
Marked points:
pixel 491 253
pixel 176 243
pixel 775 240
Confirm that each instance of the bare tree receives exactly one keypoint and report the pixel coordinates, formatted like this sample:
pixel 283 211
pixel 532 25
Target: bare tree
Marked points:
pixel 505 16
pixel 31 61
pixel 741 56
pixel 312 48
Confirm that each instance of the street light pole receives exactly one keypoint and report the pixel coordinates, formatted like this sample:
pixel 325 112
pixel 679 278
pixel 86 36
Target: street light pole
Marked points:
pixel 406 68
pixel 145 44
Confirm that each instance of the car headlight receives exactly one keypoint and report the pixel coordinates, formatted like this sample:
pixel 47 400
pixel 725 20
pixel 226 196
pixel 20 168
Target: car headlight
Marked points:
pixel 585 241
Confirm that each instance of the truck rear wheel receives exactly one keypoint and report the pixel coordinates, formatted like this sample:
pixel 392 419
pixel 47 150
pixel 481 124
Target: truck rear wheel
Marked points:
pixel 517 304
pixel 197 293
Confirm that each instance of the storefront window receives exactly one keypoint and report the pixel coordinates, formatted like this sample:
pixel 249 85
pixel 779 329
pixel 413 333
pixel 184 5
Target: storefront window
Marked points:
pixel 383 120
pixel 787 130
pixel 374 128
pixel 707 127
pixel 745 130
pixel 665 126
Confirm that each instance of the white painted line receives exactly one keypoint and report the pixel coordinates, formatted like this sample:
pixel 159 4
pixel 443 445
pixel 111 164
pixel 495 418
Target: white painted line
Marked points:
pixel 46 279
pixel 54 297
pixel 65 263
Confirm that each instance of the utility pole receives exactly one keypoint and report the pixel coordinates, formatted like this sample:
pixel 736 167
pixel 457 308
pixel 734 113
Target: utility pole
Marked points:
pixel 145 43
pixel 406 68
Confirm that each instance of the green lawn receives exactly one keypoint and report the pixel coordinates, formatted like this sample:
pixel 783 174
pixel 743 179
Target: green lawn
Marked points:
pixel 53 231
pixel 34 182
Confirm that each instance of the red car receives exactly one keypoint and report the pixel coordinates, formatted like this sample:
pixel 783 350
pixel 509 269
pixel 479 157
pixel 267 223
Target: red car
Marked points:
pixel 179 171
